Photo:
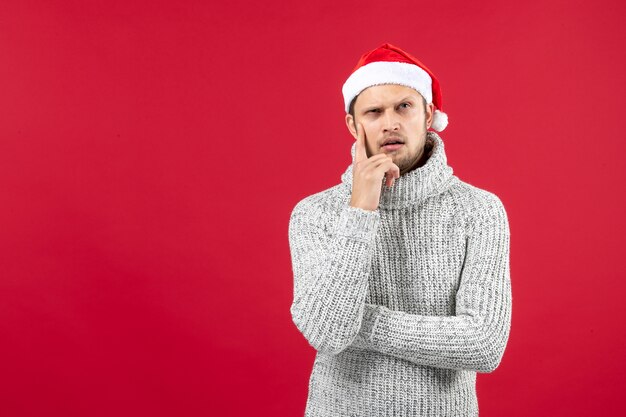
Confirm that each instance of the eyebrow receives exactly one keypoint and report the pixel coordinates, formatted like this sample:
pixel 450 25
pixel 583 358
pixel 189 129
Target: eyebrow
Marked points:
pixel 377 106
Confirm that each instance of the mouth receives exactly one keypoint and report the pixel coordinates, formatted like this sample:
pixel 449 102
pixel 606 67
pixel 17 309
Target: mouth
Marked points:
pixel 392 144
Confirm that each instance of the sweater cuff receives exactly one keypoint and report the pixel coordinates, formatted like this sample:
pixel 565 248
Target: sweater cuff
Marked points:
pixel 370 319
pixel 358 223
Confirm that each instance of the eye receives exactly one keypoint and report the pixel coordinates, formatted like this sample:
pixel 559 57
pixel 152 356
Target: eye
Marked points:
pixel 405 105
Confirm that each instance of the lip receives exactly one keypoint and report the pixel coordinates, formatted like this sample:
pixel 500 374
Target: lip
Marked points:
pixel 393 147
pixel 392 139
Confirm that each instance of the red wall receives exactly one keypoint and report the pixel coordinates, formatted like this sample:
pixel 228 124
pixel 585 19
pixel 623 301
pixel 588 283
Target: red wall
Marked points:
pixel 151 153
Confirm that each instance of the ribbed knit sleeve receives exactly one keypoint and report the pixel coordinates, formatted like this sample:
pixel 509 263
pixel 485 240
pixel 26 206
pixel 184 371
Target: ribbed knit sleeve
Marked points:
pixel 476 337
pixel 331 259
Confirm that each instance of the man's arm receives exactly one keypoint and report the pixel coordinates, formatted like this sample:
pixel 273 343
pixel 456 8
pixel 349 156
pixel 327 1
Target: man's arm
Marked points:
pixel 331 264
pixel 475 338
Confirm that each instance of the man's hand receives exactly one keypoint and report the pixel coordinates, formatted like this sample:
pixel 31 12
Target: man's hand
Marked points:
pixel 368 173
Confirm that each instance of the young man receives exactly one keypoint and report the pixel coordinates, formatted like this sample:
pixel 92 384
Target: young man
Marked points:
pixel 401 272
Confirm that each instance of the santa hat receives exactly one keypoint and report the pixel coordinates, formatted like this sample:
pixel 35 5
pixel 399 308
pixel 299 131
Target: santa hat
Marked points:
pixel 389 64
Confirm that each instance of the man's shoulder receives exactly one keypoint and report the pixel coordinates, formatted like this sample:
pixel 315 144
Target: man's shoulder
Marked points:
pixel 478 203
pixel 323 202
pixel 475 195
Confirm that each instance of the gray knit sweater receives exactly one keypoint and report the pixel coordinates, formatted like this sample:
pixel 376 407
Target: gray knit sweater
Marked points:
pixel 404 304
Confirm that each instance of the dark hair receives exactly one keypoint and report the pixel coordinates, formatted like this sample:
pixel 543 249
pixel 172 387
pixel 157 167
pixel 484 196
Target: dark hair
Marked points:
pixel 351 107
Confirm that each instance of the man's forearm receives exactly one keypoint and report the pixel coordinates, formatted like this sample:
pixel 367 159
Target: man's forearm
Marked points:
pixel 331 271
pixel 454 342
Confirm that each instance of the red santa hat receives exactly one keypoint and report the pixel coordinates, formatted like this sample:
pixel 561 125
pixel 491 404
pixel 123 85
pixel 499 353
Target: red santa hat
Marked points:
pixel 389 64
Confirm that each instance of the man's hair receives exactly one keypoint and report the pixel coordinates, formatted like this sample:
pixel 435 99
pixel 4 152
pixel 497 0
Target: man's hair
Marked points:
pixel 351 107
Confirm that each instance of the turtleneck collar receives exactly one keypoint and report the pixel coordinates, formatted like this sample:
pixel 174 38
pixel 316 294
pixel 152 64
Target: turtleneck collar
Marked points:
pixel 412 188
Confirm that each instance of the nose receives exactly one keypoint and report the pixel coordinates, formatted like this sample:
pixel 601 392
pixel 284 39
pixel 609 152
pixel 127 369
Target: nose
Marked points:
pixel 390 121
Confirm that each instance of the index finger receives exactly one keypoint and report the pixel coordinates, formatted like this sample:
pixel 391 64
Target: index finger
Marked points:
pixel 360 153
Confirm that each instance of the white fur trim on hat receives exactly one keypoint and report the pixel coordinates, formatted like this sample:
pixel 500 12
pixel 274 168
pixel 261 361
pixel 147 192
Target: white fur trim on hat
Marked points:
pixel 385 72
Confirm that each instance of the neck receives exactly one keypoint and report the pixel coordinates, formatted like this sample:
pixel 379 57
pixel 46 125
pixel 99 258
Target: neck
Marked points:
pixel 421 160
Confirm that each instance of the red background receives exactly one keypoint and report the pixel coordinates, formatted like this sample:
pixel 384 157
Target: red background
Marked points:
pixel 151 153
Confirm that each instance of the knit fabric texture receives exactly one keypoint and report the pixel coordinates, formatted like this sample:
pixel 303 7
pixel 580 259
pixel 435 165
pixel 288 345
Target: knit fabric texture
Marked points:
pixel 404 304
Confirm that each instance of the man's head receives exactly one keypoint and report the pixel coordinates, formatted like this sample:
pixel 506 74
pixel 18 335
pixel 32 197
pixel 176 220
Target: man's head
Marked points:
pixel 379 86
pixel 392 112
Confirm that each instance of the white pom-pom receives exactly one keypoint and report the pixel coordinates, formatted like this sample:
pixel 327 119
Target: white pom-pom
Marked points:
pixel 440 121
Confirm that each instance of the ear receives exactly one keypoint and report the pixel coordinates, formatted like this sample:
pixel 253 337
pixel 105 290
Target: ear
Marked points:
pixel 430 111
pixel 351 126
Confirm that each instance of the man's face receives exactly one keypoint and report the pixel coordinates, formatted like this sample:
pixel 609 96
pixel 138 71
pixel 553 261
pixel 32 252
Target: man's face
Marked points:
pixel 392 112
